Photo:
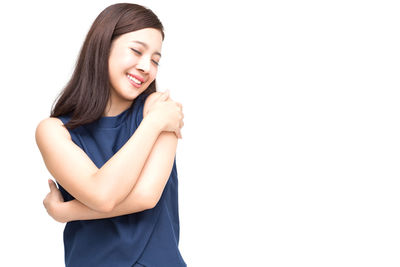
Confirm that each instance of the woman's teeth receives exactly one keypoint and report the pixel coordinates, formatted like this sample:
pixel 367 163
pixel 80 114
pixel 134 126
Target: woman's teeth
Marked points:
pixel 134 80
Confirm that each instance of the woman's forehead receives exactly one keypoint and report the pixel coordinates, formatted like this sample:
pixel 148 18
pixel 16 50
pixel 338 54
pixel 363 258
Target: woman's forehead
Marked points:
pixel 148 36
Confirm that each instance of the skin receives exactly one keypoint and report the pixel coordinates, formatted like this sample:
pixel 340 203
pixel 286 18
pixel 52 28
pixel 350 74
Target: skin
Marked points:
pixel 153 145
pixel 137 53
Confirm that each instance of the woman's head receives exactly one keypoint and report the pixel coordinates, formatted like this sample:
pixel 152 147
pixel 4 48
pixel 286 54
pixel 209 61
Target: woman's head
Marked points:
pixel 98 72
pixel 133 65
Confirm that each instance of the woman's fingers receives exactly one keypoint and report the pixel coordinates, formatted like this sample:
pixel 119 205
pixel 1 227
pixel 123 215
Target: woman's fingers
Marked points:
pixel 179 131
pixel 52 185
pixel 179 105
pixel 164 95
pixel 179 134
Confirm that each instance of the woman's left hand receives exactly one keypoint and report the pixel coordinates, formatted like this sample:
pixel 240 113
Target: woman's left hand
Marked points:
pixel 53 201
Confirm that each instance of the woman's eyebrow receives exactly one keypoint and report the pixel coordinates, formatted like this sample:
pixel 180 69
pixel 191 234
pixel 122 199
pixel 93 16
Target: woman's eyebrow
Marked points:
pixel 146 46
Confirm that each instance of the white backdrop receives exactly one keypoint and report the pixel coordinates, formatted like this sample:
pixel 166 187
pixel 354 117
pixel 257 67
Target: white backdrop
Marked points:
pixel 290 151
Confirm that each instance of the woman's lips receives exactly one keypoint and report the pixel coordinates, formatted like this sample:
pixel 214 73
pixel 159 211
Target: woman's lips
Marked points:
pixel 137 77
pixel 135 80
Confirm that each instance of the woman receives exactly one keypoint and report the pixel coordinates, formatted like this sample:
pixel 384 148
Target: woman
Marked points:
pixel 110 143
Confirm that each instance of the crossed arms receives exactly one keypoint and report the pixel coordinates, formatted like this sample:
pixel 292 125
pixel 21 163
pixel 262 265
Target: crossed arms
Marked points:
pixel 133 187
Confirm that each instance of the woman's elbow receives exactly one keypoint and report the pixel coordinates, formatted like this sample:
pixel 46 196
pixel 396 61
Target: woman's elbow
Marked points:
pixel 148 200
pixel 103 203
pixel 105 207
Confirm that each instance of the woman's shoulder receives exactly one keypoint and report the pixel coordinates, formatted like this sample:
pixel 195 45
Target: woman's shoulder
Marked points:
pixel 51 126
pixel 51 122
pixel 149 100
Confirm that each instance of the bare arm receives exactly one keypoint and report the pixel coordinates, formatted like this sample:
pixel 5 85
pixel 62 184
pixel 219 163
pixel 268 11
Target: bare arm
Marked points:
pixel 100 189
pixel 145 194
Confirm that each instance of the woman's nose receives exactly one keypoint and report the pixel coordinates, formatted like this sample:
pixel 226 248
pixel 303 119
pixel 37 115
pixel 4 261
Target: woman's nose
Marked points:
pixel 144 64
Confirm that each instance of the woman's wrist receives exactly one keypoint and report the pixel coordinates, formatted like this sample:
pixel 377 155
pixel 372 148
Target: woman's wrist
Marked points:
pixel 61 212
pixel 154 122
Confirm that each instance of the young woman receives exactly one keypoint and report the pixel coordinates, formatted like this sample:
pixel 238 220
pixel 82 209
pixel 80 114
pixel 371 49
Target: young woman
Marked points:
pixel 110 144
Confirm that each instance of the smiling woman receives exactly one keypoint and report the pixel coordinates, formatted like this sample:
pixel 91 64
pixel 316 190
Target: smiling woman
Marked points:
pixel 127 52
pixel 110 144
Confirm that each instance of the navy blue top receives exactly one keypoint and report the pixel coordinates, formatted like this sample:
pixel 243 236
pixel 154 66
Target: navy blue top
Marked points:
pixel 149 237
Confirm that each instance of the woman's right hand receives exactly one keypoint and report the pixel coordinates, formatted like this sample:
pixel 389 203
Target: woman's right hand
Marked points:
pixel 168 113
pixel 53 202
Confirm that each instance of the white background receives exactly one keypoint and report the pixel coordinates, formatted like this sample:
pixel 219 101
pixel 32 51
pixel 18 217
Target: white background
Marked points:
pixel 290 151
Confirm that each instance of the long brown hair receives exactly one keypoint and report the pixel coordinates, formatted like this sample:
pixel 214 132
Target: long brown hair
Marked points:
pixel 86 94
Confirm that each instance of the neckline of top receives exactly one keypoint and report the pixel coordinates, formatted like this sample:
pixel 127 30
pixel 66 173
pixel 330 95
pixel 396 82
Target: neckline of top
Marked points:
pixel 113 121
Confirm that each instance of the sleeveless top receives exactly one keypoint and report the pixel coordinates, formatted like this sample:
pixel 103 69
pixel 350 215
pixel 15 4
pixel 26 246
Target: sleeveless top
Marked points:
pixel 150 237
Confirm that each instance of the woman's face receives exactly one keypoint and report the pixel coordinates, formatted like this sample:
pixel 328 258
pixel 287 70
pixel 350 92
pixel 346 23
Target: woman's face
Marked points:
pixel 133 63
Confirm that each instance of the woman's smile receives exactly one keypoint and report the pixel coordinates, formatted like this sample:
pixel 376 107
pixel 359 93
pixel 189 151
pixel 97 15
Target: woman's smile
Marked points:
pixel 135 80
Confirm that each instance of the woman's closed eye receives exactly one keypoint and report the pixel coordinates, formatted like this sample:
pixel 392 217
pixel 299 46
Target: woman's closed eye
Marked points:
pixel 136 51
pixel 155 62
pixel 140 53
